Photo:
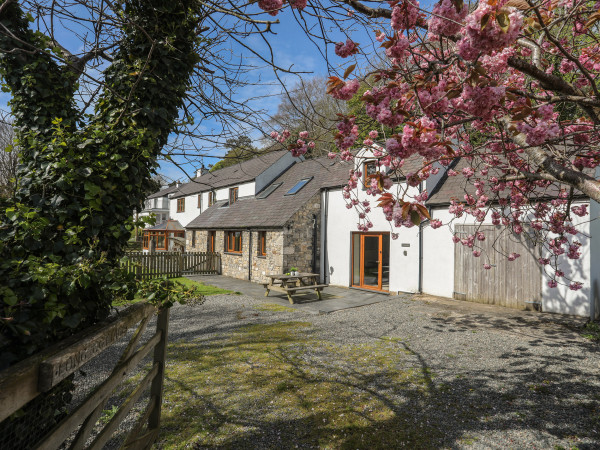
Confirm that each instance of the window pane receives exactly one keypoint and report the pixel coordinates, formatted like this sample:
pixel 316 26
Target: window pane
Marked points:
pixel 356 259
pixel 299 185
pixel 268 191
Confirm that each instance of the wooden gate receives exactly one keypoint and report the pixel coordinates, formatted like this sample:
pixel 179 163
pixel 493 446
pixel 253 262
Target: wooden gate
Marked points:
pixel 515 284
pixel 32 377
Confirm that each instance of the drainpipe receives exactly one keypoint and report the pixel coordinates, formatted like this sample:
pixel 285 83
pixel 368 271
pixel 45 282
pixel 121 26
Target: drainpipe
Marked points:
pixel 314 244
pixel 249 254
pixel 420 286
pixel 324 219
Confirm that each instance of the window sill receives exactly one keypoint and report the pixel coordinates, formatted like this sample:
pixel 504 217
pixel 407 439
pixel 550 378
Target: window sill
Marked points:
pixel 234 253
pixel 261 256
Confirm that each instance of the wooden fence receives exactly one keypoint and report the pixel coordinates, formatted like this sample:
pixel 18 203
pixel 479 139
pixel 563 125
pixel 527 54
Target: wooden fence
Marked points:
pixel 172 264
pixel 32 377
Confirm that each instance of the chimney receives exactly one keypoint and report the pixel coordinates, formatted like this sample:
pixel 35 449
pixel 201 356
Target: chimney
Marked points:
pixel 201 171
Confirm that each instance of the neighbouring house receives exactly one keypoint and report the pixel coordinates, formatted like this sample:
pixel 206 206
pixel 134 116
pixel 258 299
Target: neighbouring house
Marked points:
pixel 167 236
pixel 157 205
pixel 241 180
pixel 273 230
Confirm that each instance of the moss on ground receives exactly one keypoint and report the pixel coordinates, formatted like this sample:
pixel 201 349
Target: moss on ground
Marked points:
pixel 278 380
pixel 273 307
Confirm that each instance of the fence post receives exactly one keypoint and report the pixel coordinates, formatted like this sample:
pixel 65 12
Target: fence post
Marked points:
pixel 160 353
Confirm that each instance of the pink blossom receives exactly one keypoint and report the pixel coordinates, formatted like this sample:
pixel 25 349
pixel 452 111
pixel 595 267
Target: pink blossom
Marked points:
pixel 303 135
pixel 347 91
pixel 398 50
pixel 347 49
pixel 271 6
pixel 435 223
pixel 298 4
pixel 580 210
pixel 544 261
pixel 373 134
pixel 552 284
pixel 487 266
pixel 405 15
pixel 476 253
pixel 575 286
pixel 513 256
pixel 445 21
pixel 477 39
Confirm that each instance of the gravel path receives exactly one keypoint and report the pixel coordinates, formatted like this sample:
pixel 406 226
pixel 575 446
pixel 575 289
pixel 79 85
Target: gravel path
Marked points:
pixel 492 378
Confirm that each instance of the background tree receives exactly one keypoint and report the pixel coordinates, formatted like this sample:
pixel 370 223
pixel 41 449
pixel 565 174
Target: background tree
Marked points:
pixel 238 149
pixel 308 107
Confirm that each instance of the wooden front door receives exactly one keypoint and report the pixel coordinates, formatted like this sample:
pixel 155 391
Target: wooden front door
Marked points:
pixel 515 284
pixel 370 261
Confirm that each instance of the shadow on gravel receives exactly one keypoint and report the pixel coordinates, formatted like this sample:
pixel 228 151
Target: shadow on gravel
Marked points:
pixel 276 386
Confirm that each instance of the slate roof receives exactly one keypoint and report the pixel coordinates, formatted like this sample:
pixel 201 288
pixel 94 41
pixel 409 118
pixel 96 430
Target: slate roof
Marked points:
pixel 168 225
pixel 163 192
pixel 455 188
pixel 277 209
pixel 236 174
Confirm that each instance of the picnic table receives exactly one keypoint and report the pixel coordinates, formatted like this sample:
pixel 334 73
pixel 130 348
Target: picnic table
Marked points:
pixel 290 284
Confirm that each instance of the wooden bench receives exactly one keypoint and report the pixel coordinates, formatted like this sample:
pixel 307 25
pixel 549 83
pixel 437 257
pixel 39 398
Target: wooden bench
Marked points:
pixel 290 284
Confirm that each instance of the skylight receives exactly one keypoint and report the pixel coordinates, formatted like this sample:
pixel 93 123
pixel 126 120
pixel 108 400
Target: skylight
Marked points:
pixel 268 191
pixel 299 185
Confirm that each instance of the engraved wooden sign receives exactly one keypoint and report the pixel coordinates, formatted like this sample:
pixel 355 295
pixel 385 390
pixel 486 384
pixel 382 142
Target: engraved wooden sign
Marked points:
pixel 59 366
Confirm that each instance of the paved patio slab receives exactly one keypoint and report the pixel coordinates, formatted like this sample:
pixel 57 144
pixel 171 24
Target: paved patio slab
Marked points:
pixel 334 298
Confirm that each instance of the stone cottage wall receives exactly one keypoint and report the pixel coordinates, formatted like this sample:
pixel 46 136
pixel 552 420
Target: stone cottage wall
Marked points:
pixel 236 264
pixel 201 241
pixel 273 261
pixel 298 237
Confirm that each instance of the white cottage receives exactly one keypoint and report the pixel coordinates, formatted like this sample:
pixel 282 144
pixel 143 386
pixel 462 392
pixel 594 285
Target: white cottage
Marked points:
pixel 241 180
pixel 370 260
pixel 426 260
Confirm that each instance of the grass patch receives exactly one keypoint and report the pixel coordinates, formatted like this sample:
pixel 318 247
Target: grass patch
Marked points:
pixel 274 307
pixel 205 289
pixel 227 390
pixel 591 331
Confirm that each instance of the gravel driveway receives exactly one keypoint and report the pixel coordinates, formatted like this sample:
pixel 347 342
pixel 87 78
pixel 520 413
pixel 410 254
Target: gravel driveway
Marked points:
pixel 485 377
pixel 408 372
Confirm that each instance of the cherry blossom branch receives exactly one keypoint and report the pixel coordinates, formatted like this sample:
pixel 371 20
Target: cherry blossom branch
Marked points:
pixel 584 183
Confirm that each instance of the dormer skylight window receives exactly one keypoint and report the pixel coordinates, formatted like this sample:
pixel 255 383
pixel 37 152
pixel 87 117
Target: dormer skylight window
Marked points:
pixel 299 185
pixel 268 191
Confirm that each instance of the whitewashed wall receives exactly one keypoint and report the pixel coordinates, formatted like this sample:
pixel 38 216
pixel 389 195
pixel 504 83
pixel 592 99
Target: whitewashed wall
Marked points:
pixel 341 222
pixel 191 202
pixel 190 213
pixel 438 267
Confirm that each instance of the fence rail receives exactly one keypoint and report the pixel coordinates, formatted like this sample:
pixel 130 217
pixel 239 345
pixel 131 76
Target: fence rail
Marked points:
pixel 35 376
pixel 146 266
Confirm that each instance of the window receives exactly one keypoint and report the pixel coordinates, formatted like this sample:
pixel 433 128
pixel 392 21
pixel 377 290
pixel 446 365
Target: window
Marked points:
pixel 211 199
pixel 181 204
pixel 210 245
pixel 369 171
pixel 199 201
pixel 268 191
pixel 156 203
pixel 233 242
pixel 262 243
pixel 193 238
pixel 299 185
pixel 233 195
